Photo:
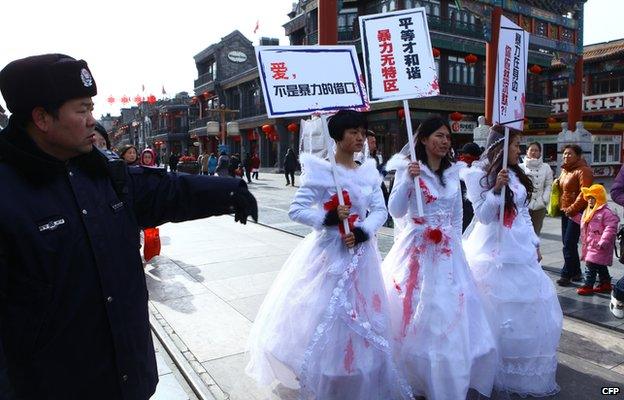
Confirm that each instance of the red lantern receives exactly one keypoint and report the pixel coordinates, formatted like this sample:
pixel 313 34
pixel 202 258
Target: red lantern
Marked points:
pixel 267 129
pixel 456 116
pixel 251 135
pixel 436 52
pixel 401 113
pixel 535 69
pixel 551 120
pixel 138 99
pixel 110 100
pixel 151 99
pixel 292 127
pixel 471 59
pixel 236 138
pixel 125 100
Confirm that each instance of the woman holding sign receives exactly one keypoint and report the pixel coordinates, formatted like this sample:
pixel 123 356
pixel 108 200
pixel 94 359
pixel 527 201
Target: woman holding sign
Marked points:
pixel 323 328
pixel 443 340
pixel 504 259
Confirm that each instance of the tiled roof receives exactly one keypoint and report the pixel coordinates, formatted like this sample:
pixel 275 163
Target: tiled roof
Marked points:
pixel 598 52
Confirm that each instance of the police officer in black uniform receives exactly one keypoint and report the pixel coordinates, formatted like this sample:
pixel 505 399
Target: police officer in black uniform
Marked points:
pixel 73 300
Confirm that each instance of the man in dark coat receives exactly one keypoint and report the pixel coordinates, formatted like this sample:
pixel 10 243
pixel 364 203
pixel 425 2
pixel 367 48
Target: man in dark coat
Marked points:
pixel 73 299
pixel 290 166
pixel 173 162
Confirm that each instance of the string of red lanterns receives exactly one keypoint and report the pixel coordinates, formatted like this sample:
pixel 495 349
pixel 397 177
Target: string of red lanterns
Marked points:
pixel 471 59
pixel 456 116
pixel 535 69
pixel 436 52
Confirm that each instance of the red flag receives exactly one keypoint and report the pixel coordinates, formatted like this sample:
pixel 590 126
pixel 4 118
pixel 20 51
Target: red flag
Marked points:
pixel 257 26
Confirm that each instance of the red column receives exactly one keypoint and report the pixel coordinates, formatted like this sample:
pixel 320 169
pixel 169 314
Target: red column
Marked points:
pixel 491 50
pixel 327 22
pixel 575 95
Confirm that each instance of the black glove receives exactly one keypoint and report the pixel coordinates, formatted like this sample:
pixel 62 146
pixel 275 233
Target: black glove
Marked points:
pixel 331 218
pixel 245 205
pixel 360 235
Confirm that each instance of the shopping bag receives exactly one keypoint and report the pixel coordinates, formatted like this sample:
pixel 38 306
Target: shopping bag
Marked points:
pixel 151 245
pixel 553 204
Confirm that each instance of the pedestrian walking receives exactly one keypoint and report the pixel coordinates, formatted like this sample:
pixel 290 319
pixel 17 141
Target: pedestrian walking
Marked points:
pixel 323 326
pixel 255 166
pixel 598 229
pixel 212 164
pixel 73 299
pixel 575 174
pixel 173 162
pixel 235 164
pixel 247 167
pixel 617 296
pixel 203 163
pixel 290 166
pixel 443 341
pixel 542 178
pixel 504 259
pixel 468 154
pixel 223 165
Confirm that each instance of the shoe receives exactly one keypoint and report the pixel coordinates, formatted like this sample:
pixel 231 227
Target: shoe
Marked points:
pixel 604 287
pixel 288 184
pixel 577 278
pixel 616 307
pixel 563 281
pixel 585 290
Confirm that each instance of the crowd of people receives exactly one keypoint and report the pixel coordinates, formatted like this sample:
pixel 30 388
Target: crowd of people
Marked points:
pixel 459 305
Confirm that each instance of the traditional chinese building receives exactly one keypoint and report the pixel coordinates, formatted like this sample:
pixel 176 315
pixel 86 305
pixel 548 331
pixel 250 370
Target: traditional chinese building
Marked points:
pixel 602 107
pixel 228 108
pixel 459 32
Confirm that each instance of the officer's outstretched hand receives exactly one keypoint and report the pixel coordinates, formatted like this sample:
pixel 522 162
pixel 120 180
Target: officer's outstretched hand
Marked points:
pixel 245 205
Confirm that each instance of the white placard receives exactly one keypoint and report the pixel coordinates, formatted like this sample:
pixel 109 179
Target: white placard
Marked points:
pixel 511 73
pixel 398 58
pixel 301 80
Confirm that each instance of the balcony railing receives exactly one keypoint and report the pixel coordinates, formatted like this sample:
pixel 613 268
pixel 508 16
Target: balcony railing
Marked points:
pixel 312 38
pixel 347 34
pixel 455 27
pixel 160 131
pixel 462 90
pixel 537 98
pixel 595 103
pixel 252 111
pixel 200 123
pixel 203 79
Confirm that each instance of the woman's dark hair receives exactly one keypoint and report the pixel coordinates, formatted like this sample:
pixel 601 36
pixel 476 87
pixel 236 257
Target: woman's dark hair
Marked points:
pixel 426 129
pixel 343 120
pixel 539 146
pixel 575 148
pixel 495 164
pixel 102 131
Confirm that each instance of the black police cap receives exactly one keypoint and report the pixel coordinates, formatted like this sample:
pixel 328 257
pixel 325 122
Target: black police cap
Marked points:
pixel 45 80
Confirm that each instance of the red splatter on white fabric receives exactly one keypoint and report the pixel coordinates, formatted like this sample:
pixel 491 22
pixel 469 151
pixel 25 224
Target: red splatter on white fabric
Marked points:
pixel 509 216
pixel 376 303
pixel 349 356
pixel 429 198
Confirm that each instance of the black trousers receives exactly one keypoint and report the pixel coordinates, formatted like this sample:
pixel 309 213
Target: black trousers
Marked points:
pixel 290 174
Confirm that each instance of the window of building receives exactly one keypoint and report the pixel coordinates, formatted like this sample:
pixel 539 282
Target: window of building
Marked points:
pixel 388 5
pixel 567 35
pixel 461 16
pixel 460 72
pixel 560 88
pixel 606 153
pixel 432 7
pixel 541 28
pixel 553 32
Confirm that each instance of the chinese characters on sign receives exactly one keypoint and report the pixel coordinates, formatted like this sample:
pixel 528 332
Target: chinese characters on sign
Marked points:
pixel 302 80
pixel 412 65
pixel 388 68
pixel 509 93
pixel 315 89
pixel 398 57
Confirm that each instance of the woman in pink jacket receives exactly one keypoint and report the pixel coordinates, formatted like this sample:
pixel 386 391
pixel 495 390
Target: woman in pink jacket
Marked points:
pixel 598 229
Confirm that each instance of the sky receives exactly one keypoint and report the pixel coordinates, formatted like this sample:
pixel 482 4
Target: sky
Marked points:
pixel 134 43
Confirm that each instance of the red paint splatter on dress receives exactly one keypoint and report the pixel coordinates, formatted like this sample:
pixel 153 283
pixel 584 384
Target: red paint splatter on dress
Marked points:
pixel 419 220
pixel 376 303
pixel 397 286
pixel 411 285
pixel 458 315
pixel 429 198
pixel 349 356
pixel 509 216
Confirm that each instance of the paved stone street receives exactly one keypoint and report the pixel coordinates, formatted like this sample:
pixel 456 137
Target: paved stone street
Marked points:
pixel 207 286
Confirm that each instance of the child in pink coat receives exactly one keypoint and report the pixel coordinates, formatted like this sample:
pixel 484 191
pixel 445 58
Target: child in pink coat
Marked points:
pixel 598 229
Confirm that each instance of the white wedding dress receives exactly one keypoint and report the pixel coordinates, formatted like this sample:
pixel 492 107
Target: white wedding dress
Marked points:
pixel 323 328
pixel 443 340
pixel 521 299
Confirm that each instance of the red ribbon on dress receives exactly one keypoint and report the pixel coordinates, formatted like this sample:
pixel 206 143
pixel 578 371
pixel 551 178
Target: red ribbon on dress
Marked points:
pixel 332 204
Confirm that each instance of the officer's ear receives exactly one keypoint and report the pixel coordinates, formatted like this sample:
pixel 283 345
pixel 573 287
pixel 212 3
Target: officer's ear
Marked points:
pixel 41 118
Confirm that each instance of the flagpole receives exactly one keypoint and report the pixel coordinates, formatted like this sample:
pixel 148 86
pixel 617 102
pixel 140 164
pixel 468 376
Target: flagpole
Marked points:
pixel 501 211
